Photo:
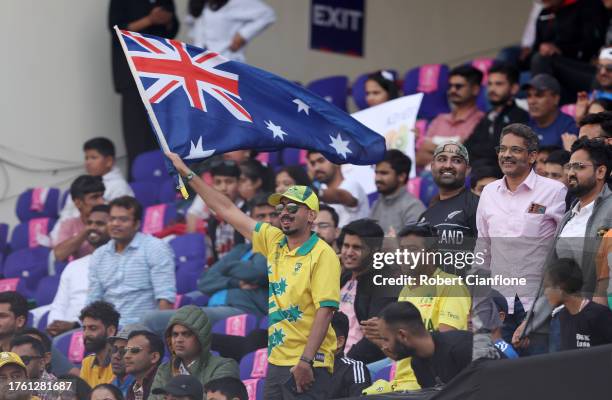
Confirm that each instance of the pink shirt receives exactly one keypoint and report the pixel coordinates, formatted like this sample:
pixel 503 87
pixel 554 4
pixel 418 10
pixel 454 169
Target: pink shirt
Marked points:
pixel 516 230
pixel 347 306
pixel 70 228
pixel 446 127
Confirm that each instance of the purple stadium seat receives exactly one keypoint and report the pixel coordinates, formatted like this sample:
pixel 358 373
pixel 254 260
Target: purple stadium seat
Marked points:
pixel 569 109
pixel 146 192
pixel 37 203
pixel 423 187
pixel 158 217
pixel 293 156
pixel 150 166
pixel 168 192
pixel 238 325
pixel 4 228
pixel 254 388
pixel 254 365
pixel 358 89
pixel 387 373
pixel 432 80
pixel 31 265
pixel 45 292
pixel 43 321
pixel 9 284
pixel 189 248
pixel 187 279
pixel 182 300
pixel 32 233
pixel 483 64
pixel 263 323
pixel 201 301
pixel 30 320
pixel 71 345
pixel 63 200
pixel 333 89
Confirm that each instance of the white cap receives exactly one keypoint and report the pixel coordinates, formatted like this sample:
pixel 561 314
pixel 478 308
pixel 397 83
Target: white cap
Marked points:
pixel 606 54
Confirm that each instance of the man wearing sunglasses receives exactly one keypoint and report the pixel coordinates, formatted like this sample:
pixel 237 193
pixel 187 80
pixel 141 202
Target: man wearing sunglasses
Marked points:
pixel 122 380
pixel 579 234
pixel 304 281
pixel 143 354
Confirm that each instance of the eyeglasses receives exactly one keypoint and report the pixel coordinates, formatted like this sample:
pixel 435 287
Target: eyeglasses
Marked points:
pixel 133 349
pixel 514 150
pixel 120 350
pixel 457 86
pixel 577 166
pixel 28 359
pixel 292 208
pixel 607 67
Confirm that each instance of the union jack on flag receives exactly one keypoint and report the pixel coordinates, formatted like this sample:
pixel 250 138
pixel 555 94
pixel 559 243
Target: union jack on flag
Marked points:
pixel 203 104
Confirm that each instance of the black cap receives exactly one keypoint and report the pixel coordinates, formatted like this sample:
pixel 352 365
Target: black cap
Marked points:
pixel 182 385
pixel 543 82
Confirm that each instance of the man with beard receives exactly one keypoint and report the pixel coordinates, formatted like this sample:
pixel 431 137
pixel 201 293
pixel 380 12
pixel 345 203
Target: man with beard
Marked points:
pixel 304 287
pixel 517 216
pixel 347 197
pixel 463 90
pixel 579 234
pixel 436 357
pixel 358 241
pixel 72 290
pixel 502 87
pixel 453 213
pixel 100 321
pixel 395 207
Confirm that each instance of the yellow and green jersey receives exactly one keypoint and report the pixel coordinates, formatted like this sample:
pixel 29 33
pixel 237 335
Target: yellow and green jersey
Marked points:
pixel 301 281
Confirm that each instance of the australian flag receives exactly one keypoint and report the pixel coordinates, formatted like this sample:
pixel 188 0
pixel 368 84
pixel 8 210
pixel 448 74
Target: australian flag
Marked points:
pixel 204 104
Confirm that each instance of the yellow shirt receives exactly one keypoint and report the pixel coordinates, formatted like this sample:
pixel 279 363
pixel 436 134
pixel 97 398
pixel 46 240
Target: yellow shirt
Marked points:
pixel 449 305
pixel 94 373
pixel 301 281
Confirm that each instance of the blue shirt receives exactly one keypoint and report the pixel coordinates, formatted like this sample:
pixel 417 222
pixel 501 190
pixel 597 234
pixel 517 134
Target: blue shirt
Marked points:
pixel 135 279
pixel 124 387
pixel 551 135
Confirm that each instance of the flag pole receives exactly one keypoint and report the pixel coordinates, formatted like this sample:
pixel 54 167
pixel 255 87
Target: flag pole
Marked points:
pixel 156 128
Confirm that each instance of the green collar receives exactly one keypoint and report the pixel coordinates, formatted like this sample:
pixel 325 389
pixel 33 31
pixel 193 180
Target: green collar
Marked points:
pixel 306 247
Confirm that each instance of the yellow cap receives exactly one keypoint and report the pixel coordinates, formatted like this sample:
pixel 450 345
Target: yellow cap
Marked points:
pixel 6 357
pixel 301 194
pixel 378 387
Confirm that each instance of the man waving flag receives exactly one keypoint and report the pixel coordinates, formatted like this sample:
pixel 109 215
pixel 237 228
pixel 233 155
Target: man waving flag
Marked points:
pixel 201 104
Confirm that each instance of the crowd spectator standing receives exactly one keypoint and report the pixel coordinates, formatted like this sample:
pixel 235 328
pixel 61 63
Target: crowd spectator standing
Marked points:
pixel 603 76
pixel 395 207
pixel 159 19
pixel 290 176
pixel 325 225
pixel 133 271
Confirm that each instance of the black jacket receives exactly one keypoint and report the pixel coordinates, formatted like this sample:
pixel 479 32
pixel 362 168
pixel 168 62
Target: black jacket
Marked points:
pixel 367 304
pixel 350 378
pixel 481 143
pixel 577 28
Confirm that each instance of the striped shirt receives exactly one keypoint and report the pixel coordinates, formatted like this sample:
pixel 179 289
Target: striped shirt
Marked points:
pixel 350 377
pixel 135 279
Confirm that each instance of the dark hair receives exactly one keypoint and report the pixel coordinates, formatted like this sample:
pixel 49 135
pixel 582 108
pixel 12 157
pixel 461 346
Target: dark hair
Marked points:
pixel 600 153
pixel 117 394
pixel 332 211
pixel 388 85
pixel 471 74
pixel 340 324
pixel 399 162
pixel 297 173
pixel 549 148
pixel 86 184
pixel 104 208
pixel 606 104
pixel 404 313
pixel 225 168
pixel 19 304
pixel 508 70
pixel 36 344
pixel 559 157
pixel 500 301
pixel 254 170
pixel 44 338
pixel 229 387
pixel 102 145
pixel 565 274
pixel 422 229
pixel 101 311
pixel 80 386
pixel 156 344
pixel 523 131
pixel 367 230
pixel 486 171
pixel 603 119
pixel 129 203
pixel 260 200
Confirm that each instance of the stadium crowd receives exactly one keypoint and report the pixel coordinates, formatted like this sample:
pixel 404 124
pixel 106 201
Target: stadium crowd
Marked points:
pixel 280 303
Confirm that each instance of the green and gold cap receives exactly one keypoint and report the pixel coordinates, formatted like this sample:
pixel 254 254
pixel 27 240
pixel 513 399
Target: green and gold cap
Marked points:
pixel 301 194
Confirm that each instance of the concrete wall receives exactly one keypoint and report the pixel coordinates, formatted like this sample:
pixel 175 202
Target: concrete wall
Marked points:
pixel 56 78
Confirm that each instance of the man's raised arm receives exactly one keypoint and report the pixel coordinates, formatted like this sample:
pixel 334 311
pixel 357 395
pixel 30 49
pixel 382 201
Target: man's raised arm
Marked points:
pixel 216 200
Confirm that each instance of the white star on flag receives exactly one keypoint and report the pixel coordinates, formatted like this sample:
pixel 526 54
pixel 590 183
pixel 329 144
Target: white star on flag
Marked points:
pixel 341 146
pixel 277 131
pixel 302 106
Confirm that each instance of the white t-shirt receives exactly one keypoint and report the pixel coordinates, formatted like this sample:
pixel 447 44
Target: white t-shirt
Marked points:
pixel 361 210
pixel 71 293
